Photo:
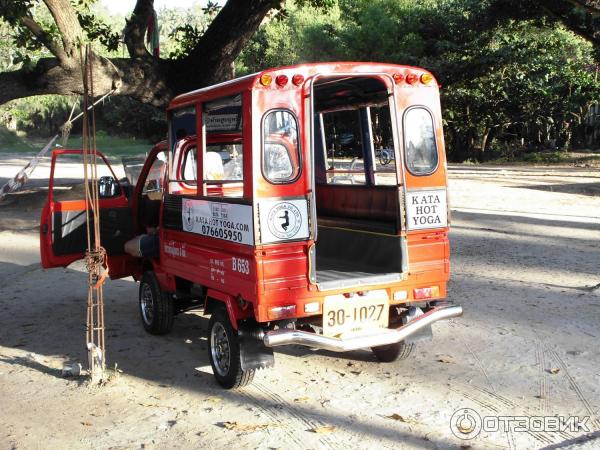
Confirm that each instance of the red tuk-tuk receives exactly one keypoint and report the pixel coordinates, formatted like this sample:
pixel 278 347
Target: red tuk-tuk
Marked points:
pixel 301 205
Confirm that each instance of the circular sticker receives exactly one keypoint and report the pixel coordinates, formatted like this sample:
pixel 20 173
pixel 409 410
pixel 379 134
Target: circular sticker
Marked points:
pixel 284 220
pixel 188 219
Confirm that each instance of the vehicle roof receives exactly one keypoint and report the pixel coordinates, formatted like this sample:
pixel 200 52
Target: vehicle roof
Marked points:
pixel 250 81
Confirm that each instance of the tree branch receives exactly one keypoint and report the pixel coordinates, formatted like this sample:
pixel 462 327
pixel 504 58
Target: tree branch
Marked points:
pixel 43 37
pixel 590 6
pixel 135 29
pixel 224 39
pixel 590 35
pixel 66 20
pixel 143 80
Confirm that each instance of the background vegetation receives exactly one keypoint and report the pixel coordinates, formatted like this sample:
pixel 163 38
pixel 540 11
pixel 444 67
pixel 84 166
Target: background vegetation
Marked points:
pixel 511 86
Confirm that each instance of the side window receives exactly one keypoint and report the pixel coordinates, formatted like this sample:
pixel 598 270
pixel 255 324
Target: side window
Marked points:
pixel 153 185
pixel 419 141
pixel 281 149
pixel 189 171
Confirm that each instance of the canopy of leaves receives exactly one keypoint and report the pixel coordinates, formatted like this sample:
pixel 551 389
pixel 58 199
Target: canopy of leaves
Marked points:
pixel 507 83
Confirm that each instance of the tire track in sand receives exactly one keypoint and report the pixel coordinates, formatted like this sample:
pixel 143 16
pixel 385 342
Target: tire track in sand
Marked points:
pixel 575 386
pixel 280 407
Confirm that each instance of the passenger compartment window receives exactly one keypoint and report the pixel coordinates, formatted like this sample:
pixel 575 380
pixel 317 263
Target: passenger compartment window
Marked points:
pixel 354 136
pixel 419 140
pixel 224 162
pixel 344 147
pixel 281 152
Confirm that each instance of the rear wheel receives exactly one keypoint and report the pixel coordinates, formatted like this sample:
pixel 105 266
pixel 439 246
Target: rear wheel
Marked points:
pixel 156 306
pixel 392 352
pixel 224 352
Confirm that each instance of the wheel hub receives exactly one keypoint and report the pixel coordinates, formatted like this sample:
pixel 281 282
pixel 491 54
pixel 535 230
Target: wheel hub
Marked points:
pixel 147 305
pixel 219 349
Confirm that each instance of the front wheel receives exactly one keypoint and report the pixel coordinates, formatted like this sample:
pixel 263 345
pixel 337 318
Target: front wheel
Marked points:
pixel 224 352
pixel 392 352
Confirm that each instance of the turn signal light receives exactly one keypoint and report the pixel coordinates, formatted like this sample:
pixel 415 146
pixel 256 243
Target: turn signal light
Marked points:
pixel 426 78
pixel 281 80
pixel 398 78
pixel 426 292
pixel 265 79
pixel 411 78
pixel 298 79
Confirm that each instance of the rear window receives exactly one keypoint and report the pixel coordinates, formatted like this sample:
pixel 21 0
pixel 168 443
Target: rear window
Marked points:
pixel 281 150
pixel 419 140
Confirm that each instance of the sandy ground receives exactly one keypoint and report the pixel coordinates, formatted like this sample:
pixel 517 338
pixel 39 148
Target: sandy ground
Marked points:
pixel 525 260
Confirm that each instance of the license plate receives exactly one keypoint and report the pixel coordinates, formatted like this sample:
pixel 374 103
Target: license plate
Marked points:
pixel 356 314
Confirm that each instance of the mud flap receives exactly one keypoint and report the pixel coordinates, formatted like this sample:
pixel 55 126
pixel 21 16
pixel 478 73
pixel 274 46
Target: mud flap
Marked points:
pixel 253 352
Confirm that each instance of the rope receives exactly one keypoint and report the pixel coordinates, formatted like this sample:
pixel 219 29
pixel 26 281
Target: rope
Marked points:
pixel 95 256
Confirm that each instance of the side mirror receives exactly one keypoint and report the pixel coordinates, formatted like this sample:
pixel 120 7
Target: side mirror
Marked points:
pixel 107 187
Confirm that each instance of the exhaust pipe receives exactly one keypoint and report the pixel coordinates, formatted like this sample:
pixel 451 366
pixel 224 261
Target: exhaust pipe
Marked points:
pixel 376 338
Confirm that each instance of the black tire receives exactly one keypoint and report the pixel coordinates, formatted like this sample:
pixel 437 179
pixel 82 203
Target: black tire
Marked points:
pixel 224 352
pixel 156 306
pixel 392 352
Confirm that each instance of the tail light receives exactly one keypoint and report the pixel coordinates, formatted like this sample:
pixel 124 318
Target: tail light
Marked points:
pixel 279 312
pixel 426 292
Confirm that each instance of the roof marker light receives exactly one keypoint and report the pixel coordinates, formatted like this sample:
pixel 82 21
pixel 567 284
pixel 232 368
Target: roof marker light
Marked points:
pixel 411 78
pixel 426 78
pixel 398 78
pixel 298 79
pixel 281 80
pixel 265 79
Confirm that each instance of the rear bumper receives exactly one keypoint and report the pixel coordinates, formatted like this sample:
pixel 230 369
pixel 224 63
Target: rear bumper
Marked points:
pixel 380 337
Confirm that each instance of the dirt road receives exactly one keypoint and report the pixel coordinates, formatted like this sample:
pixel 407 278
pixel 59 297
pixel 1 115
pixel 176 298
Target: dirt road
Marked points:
pixel 525 260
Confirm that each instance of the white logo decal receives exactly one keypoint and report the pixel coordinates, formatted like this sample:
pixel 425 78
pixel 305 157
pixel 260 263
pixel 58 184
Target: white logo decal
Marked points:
pixel 230 222
pixel 426 209
pixel 285 220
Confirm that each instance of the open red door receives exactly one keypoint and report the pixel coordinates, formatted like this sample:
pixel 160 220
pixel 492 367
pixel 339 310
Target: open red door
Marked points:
pixel 63 224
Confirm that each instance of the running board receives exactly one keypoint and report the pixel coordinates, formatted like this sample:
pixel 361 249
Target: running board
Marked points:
pixel 380 337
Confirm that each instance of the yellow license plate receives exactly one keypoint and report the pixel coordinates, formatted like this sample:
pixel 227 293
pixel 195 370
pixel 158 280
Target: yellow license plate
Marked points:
pixel 356 314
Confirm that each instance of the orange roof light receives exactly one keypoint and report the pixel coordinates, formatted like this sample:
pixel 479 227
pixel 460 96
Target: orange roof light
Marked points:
pixel 298 79
pixel 411 78
pixel 426 78
pixel 281 80
pixel 265 79
pixel 398 78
